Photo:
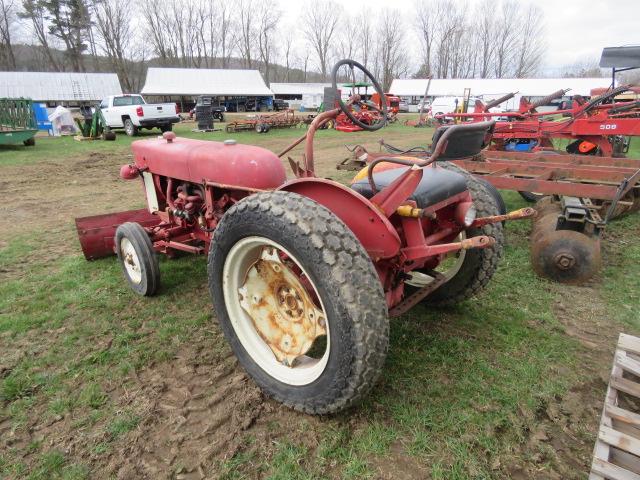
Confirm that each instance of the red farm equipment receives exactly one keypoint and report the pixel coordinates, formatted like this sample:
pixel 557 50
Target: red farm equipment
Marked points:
pixel 264 122
pixel 369 110
pixel 304 273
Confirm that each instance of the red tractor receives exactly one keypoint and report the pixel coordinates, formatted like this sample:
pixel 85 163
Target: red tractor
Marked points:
pixel 370 110
pixel 304 273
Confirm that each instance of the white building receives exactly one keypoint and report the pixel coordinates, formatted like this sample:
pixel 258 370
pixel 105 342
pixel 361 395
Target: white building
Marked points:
pixel 412 90
pixel 66 88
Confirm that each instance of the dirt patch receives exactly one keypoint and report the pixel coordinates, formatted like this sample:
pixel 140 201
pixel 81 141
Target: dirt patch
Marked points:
pixel 561 435
pixel 195 411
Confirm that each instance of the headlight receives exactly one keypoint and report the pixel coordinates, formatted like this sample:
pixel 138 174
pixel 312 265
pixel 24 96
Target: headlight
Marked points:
pixel 470 216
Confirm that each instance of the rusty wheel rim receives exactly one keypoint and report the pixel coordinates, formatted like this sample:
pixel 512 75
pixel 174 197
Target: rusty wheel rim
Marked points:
pixel 275 310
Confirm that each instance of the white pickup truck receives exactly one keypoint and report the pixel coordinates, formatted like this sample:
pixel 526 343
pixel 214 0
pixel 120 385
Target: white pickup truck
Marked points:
pixel 132 113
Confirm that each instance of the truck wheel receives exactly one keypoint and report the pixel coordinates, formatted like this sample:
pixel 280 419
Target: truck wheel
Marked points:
pixel 166 128
pixel 138 259
pixel 259 128
pixel 469 271
pixel 299 301
pixel 129 128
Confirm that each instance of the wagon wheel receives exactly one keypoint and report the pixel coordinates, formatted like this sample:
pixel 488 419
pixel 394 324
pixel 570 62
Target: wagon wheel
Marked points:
pixel 230 128
pixel 282 288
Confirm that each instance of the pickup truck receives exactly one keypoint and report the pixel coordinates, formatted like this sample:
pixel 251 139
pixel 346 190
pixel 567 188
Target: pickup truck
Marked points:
pixel 132 113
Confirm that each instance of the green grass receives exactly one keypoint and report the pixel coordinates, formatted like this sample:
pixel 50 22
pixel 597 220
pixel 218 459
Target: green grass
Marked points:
pixel 460 389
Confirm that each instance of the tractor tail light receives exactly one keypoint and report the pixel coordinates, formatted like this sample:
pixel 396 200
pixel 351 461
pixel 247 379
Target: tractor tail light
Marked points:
pixel 139 112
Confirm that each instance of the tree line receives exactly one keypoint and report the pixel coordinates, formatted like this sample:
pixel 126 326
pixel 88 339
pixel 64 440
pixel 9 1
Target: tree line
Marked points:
pixel 439 38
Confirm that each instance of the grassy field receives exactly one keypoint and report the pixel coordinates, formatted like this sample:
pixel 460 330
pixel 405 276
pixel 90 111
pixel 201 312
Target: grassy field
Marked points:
pixel 98 383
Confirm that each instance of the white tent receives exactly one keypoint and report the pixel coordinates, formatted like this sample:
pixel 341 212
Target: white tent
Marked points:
pixel 291 89
pixel 495 87
pixel 59 86
pixel 196 81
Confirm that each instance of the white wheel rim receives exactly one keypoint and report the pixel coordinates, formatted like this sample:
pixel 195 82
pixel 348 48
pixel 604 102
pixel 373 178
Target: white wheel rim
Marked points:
pixel 239 261
pixel 420 279
pixel 130 260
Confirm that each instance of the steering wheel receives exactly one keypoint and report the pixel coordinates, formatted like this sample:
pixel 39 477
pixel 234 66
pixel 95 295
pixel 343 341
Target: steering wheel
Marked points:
pixel 355 99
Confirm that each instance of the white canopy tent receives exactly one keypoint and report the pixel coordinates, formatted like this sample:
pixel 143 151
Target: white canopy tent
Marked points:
pixel 197 81
pixel 59 87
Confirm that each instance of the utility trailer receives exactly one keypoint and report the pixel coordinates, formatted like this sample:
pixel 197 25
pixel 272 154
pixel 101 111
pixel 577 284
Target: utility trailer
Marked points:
pixel 17 122
pixel 264 123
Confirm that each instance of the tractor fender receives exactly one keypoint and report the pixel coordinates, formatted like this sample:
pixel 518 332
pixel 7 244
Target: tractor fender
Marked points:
pixel 378 236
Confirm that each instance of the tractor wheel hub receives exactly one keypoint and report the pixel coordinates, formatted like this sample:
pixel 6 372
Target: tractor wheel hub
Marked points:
pixel 281 309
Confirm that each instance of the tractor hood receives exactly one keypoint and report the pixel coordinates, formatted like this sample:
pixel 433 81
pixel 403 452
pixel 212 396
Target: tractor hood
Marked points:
pixel 200 161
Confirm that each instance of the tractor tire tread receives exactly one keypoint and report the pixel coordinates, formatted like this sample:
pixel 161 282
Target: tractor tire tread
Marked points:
pixel 483 270
pixel 146 254
pixel 353 279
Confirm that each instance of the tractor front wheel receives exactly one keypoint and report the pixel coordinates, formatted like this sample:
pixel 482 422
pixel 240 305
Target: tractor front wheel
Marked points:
pixel 138 259
pixel 299 301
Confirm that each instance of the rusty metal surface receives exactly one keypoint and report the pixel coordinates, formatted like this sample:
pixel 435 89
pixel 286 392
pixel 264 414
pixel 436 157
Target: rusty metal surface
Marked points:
pixel 412 300
pixel 520 214
pixel 281 309
pixel 96 232
pixel 565 256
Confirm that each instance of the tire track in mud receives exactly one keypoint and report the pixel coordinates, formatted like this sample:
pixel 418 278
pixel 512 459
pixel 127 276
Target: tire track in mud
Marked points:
pixel 194 417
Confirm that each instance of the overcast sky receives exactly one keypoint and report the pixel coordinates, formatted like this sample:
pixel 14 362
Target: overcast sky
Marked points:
pixel 576 30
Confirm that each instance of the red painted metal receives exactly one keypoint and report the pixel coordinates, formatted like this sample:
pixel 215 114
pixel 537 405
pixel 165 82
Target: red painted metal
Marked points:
pixel 200 160
pixel 96 232
pixel 190 184
pixel 594 121
pixel 374 230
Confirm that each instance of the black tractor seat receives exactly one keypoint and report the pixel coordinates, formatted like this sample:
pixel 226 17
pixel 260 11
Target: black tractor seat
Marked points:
pixel 437 184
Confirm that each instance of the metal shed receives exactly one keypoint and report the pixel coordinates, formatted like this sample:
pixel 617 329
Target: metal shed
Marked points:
pixel 59 87
pixel 187 82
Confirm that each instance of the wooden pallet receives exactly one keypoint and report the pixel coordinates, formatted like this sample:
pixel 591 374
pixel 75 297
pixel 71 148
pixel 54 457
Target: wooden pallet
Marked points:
pixel 616 455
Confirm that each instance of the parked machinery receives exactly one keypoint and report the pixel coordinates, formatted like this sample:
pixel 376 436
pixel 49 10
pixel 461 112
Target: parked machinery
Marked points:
pixel 93 125
pixel 17 122
pixel 303 273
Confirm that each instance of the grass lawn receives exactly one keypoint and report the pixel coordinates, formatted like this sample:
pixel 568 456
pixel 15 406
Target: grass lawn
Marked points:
pixel 96 382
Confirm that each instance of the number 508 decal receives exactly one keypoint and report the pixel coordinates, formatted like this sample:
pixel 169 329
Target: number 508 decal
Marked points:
pixel 608 126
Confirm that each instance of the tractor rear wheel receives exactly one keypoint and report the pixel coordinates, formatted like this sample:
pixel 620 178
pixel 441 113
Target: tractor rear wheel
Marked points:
pixel 138 258
pixel 299 301
pixel 469 271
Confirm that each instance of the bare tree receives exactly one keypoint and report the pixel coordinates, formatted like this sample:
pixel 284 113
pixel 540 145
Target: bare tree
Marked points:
pixel 347 44
pixel 266 21
pixel 247 40
pixel 505 37
pixel 530 45
pixel 484 31
pixel 8 20
pixel 392 58
pixel 366 40
pixel 428 14
pixel 224 34
pixel 34 12
pixel 320 19
pixel 114 32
